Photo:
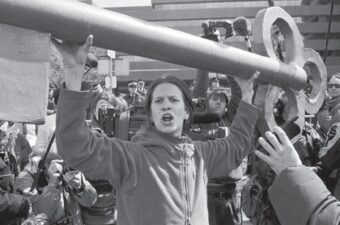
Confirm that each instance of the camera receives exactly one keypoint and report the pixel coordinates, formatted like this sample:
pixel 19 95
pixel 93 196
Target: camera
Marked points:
pixel 107 120
pixel 123 125
pixel 211 32
pixel 62 173
pixel 198 102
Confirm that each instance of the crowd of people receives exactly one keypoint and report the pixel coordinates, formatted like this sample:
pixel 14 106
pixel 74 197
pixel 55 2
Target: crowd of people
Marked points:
pixel 184 166
pixel 198 159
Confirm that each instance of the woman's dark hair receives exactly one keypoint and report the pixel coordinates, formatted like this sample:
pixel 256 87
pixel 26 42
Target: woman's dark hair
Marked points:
pixel 185 93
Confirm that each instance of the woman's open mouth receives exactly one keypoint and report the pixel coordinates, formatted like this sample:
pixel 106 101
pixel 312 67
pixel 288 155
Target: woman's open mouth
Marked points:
pixel 167 118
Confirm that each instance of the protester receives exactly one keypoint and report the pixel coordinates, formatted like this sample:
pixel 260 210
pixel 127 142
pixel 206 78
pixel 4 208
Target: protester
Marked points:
pixel 297 194
pixel 160 176
pixel 330 111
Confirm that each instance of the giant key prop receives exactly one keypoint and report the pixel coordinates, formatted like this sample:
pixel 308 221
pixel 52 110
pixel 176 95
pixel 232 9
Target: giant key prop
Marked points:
pixel 69 20
pixel 299 102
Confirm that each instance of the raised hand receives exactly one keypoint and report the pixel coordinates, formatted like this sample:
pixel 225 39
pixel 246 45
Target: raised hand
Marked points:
pixel 246 86
pixel 74 179
pixel 74 58
pixel 281 152
pixel 27 192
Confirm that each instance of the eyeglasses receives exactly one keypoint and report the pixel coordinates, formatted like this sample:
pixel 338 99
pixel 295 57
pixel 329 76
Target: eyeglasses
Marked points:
pixel 132 86
pixel 333 86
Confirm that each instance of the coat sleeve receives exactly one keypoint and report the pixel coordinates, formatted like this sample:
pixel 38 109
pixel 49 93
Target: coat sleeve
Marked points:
pixel 236 96
pixel 225 154
pixel 92 153
pixel 299 197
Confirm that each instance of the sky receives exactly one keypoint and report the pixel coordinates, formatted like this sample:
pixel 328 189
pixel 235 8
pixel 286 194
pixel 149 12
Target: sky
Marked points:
pixel 121 3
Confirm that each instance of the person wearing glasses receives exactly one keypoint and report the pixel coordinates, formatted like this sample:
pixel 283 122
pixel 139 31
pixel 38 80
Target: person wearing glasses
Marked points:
pixel 329 113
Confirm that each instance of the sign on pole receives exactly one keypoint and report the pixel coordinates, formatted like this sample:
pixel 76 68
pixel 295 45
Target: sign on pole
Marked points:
pixel 113 82
pixel 111 54
pixel 122 67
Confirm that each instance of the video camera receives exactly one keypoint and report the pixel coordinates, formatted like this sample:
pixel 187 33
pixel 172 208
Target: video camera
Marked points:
pixel 121 125
pixel 107 120
pixel 198 102
pixel 211 32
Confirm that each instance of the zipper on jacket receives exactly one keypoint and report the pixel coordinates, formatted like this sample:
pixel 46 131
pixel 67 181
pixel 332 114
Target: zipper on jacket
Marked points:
pixel 187 195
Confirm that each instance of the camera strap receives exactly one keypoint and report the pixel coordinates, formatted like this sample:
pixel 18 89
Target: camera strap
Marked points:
pixel 42 163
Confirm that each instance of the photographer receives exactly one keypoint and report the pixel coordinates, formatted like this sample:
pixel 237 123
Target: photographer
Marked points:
pixel 223 192
pixel 211 100
pixel 62 194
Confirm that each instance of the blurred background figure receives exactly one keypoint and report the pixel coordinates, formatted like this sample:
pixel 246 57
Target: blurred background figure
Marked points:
pixel 330 111
pixel 51 106
pixel 213 84
pixel 133 98
pixel 141 88
pixel 14 147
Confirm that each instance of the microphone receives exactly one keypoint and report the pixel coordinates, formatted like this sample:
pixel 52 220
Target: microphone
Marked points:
pixel 91 60
pixel 242 27
pixel 203 117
